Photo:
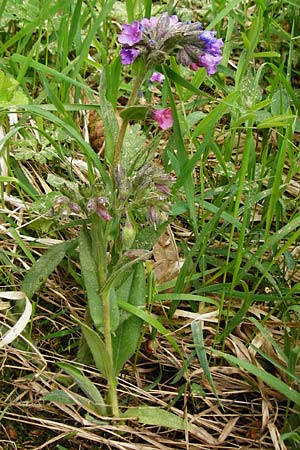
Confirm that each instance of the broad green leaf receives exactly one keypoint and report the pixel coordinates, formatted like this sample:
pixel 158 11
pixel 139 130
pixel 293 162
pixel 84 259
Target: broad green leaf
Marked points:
pixel 91 281
pixel 134 151
pixel 45 265
pixel 152 415
pixel 268 378
pixel 110 122
pixel 280 102
pixel 90 276
pixel 10 92
pixel 134 113
pixel 86 386
pixel 72 398
pixel 98 351
pixel 126 336
pixel 59 396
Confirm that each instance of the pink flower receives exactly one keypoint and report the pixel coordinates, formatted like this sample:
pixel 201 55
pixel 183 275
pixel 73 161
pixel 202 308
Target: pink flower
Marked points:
pixel 163 117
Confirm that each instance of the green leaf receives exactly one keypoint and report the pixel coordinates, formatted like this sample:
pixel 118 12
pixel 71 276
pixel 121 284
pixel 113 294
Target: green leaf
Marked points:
pixel 269 379
pixel 134 113
pixel 266 55
pixel 10 92
pixel 4 179
pixel 151 415
pixel 59 396
pixel 147 317
pixel 86 386
pixel 209 122
pixel 45 265
pixel 90 276
pixel 282 120
pixel 98 350
pixel 201 354
pixel 127 335
pixel 91 281
pixel 134 151
pixel 110 122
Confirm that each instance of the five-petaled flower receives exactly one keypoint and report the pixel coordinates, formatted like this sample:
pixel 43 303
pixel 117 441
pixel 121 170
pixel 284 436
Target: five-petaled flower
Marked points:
pixel 163 117
pixel 158 77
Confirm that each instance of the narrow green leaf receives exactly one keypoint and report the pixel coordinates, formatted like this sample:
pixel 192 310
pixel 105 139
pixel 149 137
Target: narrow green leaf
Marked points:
pixel 268 378
pixel 267 55
pixel 147 317
pixel 201 354
pixel 44 266
pixel 215 115
pixel 282 120
pixel 110 122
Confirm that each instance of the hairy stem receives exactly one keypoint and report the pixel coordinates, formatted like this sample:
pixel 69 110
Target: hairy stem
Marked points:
pixel 108 345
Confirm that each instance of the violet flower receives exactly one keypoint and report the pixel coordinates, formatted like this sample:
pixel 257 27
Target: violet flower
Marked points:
pixel 131 34
pixel 128 55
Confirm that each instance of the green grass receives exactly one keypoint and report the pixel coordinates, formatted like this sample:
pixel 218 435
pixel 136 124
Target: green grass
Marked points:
pixel 234 153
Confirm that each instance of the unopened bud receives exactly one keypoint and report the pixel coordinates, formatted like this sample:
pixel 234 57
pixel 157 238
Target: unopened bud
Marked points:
pixel 91 205
pixel 128 234
pixel 153 216
pixel 74 207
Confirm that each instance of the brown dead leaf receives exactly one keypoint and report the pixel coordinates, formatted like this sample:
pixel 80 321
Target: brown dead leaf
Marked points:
pixel 166 259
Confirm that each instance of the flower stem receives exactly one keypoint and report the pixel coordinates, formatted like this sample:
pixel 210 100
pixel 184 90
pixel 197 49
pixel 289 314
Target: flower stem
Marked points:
pixel 136 87
pixel 112 380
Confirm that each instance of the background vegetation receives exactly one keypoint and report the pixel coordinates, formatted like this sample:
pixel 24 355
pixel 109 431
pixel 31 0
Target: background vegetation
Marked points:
pixel 217 364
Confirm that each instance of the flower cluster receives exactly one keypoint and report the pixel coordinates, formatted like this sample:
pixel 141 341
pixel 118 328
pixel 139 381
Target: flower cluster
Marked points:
pixel 157 38
pixel 147 191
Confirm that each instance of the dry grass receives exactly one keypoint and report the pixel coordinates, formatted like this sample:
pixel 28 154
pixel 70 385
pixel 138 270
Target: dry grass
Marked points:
pixel 250 416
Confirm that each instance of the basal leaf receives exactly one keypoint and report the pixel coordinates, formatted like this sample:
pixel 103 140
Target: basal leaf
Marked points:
pixel 85 385
pixel 126 336
pixel 152 415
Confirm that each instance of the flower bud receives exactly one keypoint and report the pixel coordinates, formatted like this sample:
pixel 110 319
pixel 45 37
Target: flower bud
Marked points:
pixel 153 216
pixel 128 234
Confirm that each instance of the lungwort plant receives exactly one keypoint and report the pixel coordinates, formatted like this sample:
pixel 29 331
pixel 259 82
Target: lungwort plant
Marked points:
pixel 125 196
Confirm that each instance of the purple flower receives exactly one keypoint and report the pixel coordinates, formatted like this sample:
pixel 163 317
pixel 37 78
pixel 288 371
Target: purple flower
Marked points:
pixel 208 61
pixel 158 77
pixel 207 36
pixel 148 23
pixel 131 33
pixel 163 117
pixel 157 38
pixel 128 55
